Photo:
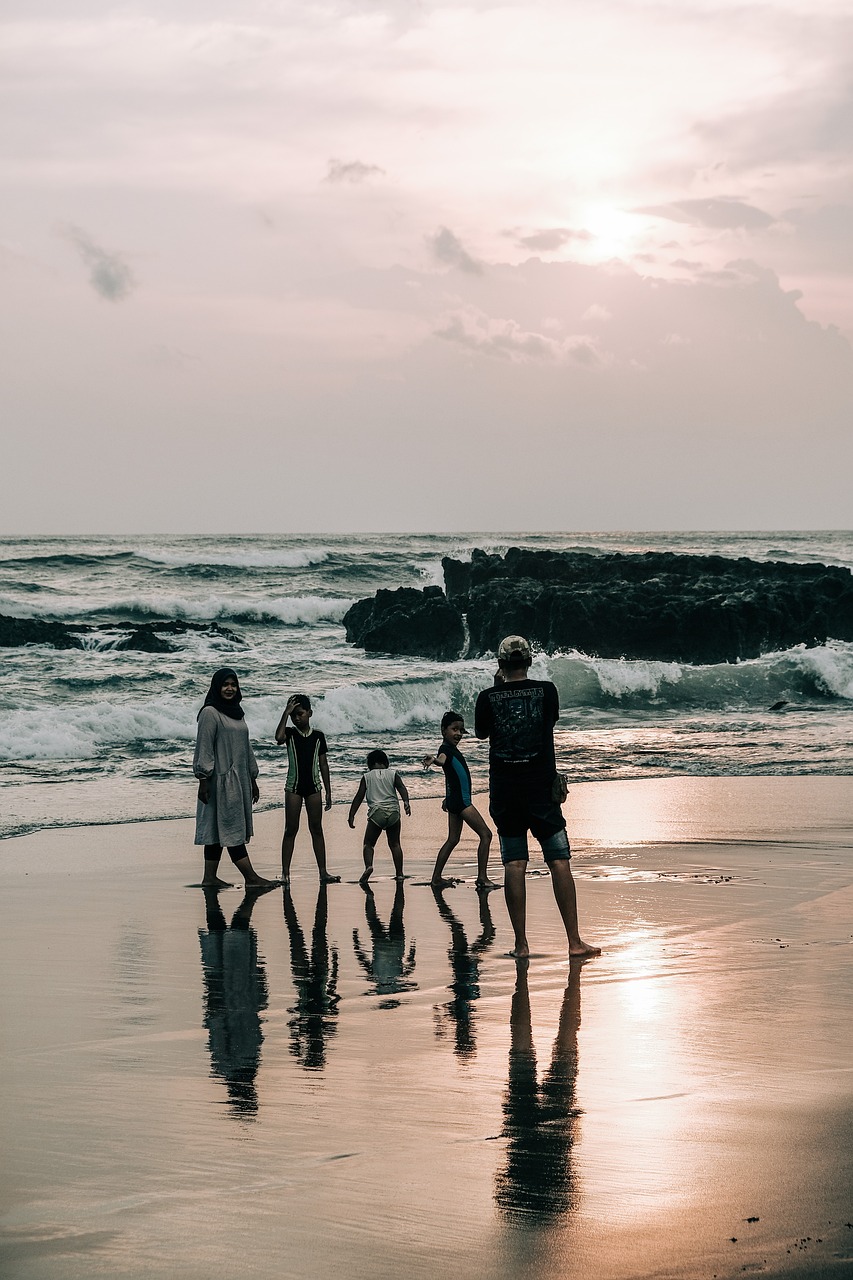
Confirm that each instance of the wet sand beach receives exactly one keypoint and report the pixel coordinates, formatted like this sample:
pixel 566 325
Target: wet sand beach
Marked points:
pixel 340 1083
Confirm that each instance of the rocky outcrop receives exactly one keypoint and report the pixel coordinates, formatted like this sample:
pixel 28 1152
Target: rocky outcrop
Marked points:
pixel 407 622
pixel 146 637
pixel 661 606
pixel 15 632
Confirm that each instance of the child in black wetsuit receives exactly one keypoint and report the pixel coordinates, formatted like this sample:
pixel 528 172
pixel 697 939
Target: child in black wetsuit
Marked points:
pixel 307 764
pixel 457 802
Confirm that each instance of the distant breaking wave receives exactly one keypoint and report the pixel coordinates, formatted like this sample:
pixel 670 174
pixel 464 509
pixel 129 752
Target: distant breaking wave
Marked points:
pixel 286 611
pixel 294 559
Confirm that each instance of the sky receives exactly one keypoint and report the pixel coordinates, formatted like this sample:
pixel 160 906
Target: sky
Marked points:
pixel 284 267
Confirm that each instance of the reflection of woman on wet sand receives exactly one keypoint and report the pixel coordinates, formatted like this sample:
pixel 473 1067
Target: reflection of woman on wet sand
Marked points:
pixel 315 979
pixel 540 1121
pixel 235 992
pixel 390 968
pixel 465 966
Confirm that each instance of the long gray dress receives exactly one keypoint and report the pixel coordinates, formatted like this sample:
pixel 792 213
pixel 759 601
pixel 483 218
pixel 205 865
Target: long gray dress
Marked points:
pixel 223 754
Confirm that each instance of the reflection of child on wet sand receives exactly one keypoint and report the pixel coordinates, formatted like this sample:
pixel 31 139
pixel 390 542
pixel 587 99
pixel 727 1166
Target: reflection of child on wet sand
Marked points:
pixel 457 803
pixel 380 786
pixel 391 966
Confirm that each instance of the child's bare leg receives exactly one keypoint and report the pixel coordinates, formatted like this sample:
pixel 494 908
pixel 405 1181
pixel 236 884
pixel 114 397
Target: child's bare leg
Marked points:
pixel 212 854
pixel 480 827
pixel 393 834
pixel 371 835
pixel 314 809
pixel 454 831
pixel 292 816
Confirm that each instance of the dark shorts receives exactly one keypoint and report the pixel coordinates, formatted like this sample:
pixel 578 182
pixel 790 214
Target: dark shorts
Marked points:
pixel 517 808
pixel 304 789
pixel 455 805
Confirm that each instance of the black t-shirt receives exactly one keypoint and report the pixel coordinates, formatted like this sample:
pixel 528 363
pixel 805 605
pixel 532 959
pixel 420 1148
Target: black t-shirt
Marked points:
pixel 518 718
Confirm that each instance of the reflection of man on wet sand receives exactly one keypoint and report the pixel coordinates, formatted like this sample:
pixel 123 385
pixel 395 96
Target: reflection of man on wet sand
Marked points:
pixel 390 967
pixel 518 716
pixel 465 966
pixel 540 1121
pixel 315 978
pixel 235 992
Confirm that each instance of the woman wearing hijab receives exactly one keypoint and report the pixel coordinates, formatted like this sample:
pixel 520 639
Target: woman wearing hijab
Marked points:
pixel 225 766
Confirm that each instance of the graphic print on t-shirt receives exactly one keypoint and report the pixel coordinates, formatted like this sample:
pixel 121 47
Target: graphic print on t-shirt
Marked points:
pixel 518 731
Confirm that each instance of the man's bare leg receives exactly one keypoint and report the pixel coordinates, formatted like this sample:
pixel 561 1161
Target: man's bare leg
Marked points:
pixel 515 892
pixel 314 809
pixel 563 884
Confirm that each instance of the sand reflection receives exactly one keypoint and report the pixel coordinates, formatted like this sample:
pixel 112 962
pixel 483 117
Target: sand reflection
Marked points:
pixel 465 967
pixel 389 966
pixel 235 992
pixel 315 980
pixel 537 1182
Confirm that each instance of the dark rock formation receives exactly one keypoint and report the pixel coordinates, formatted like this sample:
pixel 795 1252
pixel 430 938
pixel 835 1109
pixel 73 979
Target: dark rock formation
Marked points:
pixel 15 632
pixel 662 606
pixel 408 622
pixel 146 637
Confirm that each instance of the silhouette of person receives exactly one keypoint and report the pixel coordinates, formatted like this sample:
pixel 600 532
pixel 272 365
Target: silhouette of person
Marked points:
pixel 465 968
pixel 537 1183
pixel 235 992
pixel 390 967
pixel 315 979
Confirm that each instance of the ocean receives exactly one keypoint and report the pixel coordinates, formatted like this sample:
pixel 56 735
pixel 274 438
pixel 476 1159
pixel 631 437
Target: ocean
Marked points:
pixel 103 735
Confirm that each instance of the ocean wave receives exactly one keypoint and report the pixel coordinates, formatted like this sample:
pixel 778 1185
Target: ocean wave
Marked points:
pixel 287 610
pixel 792 675
pixel 67 560
pixel 81 732
pixel 297 558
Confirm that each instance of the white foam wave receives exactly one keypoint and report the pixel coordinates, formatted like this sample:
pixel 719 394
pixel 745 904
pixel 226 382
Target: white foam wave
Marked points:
pixel 79 733
pixel 290 610
pixel 297 558
pixel 831 666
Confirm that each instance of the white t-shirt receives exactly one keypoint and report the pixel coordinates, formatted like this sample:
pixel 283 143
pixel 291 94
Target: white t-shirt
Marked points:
pixel 379 784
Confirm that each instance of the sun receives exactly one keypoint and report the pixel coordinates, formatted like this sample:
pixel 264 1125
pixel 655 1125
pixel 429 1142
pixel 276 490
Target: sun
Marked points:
pixel 614 232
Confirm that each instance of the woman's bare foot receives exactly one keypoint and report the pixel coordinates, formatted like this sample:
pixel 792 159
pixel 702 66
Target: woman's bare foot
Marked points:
pixel 486 884
pixel 521 951
pixel 583 949
pixel 328 878
pixel 443 882
pixel 216 883
pixel 260 883
pixel 363 879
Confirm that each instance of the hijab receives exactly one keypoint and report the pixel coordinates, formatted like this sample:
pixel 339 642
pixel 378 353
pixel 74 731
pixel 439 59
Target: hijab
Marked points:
pixel 215 699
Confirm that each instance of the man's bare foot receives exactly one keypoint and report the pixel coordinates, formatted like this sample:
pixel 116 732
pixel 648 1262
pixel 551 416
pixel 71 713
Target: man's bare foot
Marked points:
pixel 328 878
pixel 583 949
pixel 486 884
pixel 363 879
pixel 216 883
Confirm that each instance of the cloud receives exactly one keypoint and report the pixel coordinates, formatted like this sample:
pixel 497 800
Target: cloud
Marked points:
pixel 109 274
pixel 447 248
pixel 351 171
pixel 597 312
pixel 719 213
pixel 550 239
pixel 507 340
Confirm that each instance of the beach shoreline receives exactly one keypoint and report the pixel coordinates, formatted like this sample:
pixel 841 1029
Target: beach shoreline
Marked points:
pixel 345 1087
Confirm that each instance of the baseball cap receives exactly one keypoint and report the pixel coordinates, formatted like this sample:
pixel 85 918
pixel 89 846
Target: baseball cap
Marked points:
pixel 514 650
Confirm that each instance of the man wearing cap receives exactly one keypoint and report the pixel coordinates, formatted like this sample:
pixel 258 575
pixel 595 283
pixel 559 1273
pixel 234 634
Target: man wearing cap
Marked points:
pixel 518 716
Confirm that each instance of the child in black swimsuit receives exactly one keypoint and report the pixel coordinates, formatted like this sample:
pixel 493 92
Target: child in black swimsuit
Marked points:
pixel 307 764
pixel 457 803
